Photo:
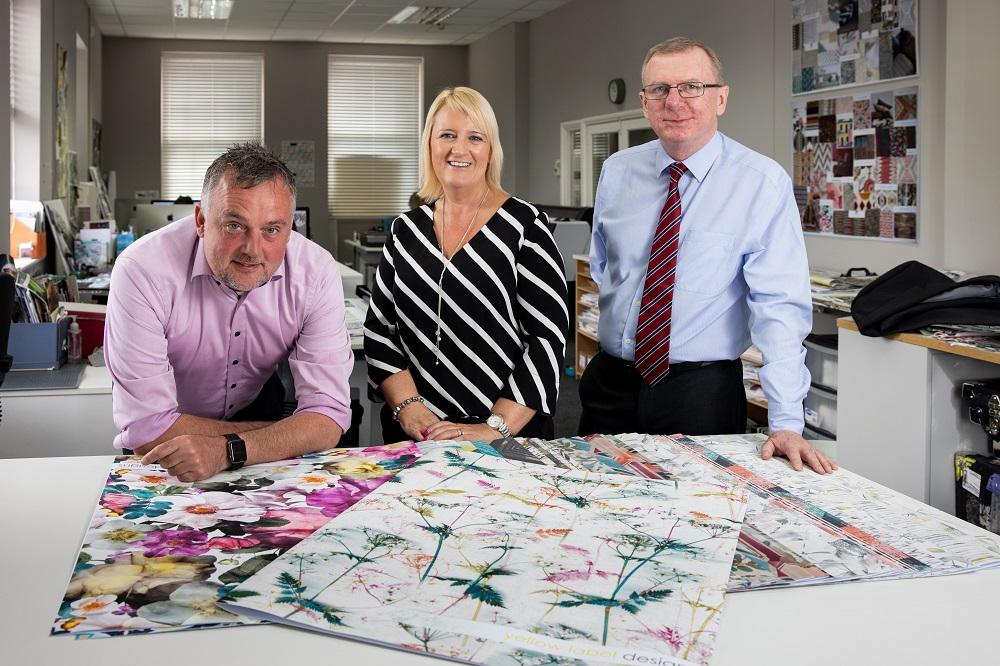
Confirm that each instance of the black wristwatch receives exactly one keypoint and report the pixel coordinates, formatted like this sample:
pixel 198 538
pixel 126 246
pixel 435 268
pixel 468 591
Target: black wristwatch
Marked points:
pixel 236 450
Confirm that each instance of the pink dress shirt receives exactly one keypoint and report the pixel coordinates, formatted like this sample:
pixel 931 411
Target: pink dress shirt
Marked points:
pixel 176 341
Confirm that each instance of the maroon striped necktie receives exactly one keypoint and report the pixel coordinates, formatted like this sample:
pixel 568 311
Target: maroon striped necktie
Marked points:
pixel 652 334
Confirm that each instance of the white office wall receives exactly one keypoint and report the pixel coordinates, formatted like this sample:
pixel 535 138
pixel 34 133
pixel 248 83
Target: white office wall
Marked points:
pixel 36 153
pixel 295 105
pixel 575 50
pixel 972 150
pixel 498 68
pixel 67 18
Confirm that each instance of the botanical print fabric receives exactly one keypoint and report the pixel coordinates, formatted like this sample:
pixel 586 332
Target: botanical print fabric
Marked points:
pixel 160 553
pixel 848 526
pixel 800 528
pixel 867 143
pixel 489 560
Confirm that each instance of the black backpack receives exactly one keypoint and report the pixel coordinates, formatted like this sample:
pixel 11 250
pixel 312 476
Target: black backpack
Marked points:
pixel 913 295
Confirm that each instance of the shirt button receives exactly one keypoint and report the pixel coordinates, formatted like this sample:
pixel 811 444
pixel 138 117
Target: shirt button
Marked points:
pixel 232 386
pixel 237 334
pixel 236 361
pixel 230 406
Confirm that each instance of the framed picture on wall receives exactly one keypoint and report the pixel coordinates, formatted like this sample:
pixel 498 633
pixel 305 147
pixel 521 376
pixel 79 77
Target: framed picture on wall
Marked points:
pixel 838 43
pixel 855 164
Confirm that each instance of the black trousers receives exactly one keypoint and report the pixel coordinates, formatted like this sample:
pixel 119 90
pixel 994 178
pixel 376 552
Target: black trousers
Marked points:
pixel 540 425
pixel 693 399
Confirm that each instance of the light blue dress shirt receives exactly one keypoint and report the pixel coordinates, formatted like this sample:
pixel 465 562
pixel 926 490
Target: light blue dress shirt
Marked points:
pixel 742 272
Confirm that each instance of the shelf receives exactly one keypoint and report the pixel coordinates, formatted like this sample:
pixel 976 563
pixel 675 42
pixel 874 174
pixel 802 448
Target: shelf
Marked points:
pixel 930 343
pixel 587 344
pixel 757 411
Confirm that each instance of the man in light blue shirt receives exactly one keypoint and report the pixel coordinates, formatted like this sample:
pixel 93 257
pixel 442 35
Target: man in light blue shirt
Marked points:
pixel 741 275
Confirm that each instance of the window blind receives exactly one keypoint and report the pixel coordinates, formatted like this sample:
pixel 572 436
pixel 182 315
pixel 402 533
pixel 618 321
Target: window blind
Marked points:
pixel 373 129
pixel 209 102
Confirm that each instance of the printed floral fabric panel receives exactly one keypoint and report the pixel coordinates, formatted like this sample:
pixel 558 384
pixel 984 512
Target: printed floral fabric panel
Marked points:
pixel 491 560
pixel 159 553
pixel 837 43
pixel 855 162
pixel 800 528
pixel 841 523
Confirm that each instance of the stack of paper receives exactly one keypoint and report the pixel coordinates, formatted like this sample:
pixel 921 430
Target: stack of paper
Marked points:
pixel 354 318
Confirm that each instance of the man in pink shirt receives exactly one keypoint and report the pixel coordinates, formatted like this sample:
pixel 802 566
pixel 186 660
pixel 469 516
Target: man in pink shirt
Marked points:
pixel 201 312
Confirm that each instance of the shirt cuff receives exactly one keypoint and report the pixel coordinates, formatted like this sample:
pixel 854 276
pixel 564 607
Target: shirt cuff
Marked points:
pixel 145 430
pixel 336 412
pixel 785 416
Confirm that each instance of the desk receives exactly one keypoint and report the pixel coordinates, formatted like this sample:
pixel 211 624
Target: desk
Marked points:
pixel 366 258
pixel 350 278
pixel 929 621
pixel 900 413
pixel 59 422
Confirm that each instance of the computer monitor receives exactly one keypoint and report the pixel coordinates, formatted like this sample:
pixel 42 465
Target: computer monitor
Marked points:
pixel 150 217
pixel 300 220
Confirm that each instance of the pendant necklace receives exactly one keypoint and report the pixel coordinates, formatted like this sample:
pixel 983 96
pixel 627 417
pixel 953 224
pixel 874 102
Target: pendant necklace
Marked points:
pixel 446 262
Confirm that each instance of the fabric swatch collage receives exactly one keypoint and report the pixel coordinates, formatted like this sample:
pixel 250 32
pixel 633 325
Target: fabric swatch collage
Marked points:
pixel 839 43
pixel 855 164
pixel 523 551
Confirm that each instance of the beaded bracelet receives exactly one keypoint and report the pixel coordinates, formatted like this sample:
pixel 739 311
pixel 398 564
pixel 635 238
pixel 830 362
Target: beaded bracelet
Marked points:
pixel 409 401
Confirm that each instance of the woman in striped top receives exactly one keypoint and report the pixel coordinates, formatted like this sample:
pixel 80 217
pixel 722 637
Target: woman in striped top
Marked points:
pixel 466 332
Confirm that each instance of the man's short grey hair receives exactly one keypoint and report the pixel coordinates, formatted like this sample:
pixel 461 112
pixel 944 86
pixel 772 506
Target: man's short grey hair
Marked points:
pixel 680 45
pixel 247 165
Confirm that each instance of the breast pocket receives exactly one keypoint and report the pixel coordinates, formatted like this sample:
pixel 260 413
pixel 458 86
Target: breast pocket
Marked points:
pixel 705 263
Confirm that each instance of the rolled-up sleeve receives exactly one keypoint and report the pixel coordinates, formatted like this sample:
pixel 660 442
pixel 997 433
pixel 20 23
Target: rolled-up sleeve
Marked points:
pixel 144 393
pixel 543 320
pixel 322 360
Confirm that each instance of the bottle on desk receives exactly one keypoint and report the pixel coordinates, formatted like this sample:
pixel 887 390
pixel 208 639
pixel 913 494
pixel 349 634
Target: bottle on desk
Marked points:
pixel 75 342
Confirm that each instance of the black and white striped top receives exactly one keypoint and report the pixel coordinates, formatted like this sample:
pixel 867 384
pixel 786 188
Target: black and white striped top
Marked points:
pixel 503 313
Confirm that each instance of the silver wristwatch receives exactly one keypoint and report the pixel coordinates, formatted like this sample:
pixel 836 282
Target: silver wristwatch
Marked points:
pixel 496 422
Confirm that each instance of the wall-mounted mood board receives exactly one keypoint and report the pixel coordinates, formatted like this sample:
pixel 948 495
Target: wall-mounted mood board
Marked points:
pixel 855 166
pixel 839 43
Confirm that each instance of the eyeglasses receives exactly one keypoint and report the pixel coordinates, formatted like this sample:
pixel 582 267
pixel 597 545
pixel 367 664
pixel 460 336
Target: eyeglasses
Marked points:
pixel 688 89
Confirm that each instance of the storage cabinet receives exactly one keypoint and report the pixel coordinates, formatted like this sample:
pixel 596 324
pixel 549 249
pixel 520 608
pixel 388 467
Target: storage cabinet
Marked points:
pixel 820 403
pixel 587 314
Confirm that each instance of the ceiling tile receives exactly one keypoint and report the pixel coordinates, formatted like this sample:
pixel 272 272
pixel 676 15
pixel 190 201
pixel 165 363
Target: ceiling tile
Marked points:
pixel 148 21
pixel 509 5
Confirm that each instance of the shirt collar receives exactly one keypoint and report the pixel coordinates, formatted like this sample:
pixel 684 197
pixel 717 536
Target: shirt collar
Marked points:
pixel 699 164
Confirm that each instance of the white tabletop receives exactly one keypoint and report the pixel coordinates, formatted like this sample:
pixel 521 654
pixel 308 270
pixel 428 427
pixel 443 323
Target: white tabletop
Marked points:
pixel 50 500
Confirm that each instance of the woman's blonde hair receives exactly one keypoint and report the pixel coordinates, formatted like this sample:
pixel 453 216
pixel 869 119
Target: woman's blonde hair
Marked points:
pixel 474 105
